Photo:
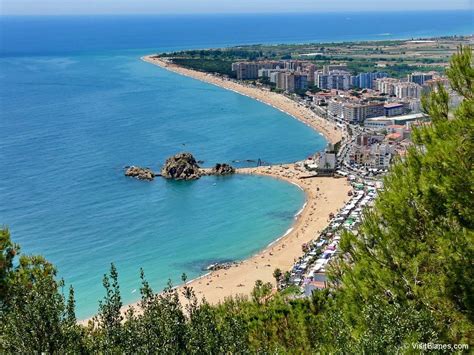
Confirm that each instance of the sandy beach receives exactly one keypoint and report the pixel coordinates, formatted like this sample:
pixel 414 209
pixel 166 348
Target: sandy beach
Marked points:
pixel 324 195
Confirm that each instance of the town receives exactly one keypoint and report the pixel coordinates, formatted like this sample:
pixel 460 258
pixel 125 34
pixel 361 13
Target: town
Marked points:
pixel 376 114
pixel 364 97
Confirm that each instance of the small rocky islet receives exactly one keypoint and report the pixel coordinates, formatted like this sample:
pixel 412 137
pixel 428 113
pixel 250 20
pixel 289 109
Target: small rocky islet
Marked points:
pixel 181 166
pixel 139 173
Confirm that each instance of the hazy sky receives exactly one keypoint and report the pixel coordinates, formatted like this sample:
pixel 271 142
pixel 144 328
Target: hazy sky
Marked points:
pixel 56 7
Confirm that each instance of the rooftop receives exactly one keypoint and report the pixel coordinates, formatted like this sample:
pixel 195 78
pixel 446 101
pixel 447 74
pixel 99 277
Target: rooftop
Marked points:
pixel 393 105
pixel 410 117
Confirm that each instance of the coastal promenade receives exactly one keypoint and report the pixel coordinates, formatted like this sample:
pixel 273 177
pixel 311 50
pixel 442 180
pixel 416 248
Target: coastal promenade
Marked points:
pixel 278 101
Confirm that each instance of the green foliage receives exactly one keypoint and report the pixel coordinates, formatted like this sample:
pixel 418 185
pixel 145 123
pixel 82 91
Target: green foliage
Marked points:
pixel 415 248
pixel 8 251
pixel 220 66
pixel 35 316
pixel 277 274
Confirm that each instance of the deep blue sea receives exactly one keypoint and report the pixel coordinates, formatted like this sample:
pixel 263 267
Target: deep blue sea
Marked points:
pixel 77 105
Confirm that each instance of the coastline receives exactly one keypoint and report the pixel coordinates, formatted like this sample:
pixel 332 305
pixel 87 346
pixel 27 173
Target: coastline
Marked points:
pixel 324 195
pixel 278 101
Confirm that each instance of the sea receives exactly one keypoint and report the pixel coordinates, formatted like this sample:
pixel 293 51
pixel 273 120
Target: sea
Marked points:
pixel 77 105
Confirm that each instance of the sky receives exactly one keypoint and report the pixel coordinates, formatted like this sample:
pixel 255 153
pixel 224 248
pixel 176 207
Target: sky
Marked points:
pixel 61 7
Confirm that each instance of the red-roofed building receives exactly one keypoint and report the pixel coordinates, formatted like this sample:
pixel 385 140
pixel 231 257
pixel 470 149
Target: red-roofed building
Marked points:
pixel 396 137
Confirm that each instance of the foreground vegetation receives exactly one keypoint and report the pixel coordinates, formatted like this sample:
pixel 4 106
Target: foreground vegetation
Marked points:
pixel 407 277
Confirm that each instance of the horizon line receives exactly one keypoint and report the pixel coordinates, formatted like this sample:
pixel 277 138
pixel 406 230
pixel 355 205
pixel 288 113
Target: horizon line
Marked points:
pixel 315 12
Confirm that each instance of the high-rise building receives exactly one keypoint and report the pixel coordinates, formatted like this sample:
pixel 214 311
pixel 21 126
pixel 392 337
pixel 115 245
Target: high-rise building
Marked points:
pixel 245 70
pixel 386 85
pixel 411 90
pixel 335 79
pixel 321 80
pixel 358 112
pixel 251 70
pixel 394 109
pixel 419 78
pixel 335 108
pixel 310 70
pixel 366 80
pixel 291 81
pixel 280 80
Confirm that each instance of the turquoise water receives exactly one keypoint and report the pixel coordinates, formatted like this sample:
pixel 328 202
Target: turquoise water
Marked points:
pixel 74 122
pixel 77 105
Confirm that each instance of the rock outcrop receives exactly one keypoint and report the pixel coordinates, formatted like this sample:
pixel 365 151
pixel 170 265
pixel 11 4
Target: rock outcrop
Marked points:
pixel 181 166
pixel 140 173
pixel 222 169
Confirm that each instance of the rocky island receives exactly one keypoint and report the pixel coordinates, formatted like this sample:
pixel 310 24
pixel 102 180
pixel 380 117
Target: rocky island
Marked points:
pixel 222 169
pixel 140 173
pixel 182 166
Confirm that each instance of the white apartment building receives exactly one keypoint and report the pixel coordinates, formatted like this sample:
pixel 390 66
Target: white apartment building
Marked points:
pixel 335 79
pixel 403 90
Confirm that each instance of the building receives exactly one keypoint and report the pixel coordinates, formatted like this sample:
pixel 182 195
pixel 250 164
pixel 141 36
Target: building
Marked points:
pixel 372 154
pixel 386 85
pixel 395 87
pixel 321 80
pixel 330 67
pixel 279 78
pixel 335 107
pixel 397 120
pixel 377 124
pixel 310 70
pixel 354 111
pixel 366 80
pixel 358 112
pixel 326 161
pixel 394 109
pixel 335 79
pixel 251 70
pixel 291 65
pixel 301 81
pixel 410 90
pixel 419 78
pixel 264 73
pixel 412 105
pixel 290 81
pixel 245 70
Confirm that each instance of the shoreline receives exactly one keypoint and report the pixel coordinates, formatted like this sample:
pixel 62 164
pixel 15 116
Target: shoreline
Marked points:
pixel 323 195
pixel 277 101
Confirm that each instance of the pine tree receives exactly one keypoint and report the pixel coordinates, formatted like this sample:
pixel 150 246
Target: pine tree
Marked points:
pixel 415 248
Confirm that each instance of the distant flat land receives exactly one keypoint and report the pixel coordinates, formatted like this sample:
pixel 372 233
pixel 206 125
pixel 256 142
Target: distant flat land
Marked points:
pixel 397 57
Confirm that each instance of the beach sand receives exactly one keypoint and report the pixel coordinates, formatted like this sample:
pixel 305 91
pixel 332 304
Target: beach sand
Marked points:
pixel 324 195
